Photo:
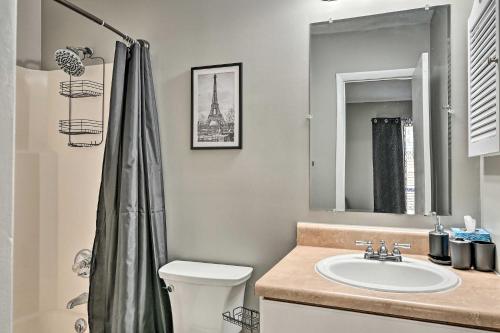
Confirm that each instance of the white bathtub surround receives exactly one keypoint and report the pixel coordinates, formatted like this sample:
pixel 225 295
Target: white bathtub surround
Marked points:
pixel 53 221
pixel 56 321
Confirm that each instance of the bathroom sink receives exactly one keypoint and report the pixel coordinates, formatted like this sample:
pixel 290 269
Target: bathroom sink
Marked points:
pixel 409 276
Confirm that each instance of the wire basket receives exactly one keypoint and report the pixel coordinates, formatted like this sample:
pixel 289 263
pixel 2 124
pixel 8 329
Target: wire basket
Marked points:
pixel 80 88
pixel 246 318
pixel 84 144
pixel 80 126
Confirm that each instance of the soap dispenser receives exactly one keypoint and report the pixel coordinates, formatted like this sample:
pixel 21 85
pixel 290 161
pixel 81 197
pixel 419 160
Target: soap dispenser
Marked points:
pixel 438 240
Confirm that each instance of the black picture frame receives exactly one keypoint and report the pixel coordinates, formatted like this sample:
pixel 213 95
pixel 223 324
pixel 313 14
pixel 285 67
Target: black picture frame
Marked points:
pixel 218 129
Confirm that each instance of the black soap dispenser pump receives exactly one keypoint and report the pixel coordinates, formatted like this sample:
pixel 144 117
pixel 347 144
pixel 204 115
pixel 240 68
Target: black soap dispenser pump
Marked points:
pixel 438 240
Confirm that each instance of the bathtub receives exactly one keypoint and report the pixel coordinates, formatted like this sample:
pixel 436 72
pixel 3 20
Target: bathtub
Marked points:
pixel 59 321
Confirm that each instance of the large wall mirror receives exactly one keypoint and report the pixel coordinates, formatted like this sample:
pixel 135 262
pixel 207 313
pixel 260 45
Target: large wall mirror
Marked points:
pixel 381 117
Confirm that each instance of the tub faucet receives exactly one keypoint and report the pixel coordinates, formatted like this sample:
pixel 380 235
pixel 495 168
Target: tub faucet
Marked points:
pixel 79 300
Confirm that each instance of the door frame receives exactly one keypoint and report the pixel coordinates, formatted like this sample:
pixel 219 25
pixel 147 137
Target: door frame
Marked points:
pixel 342 79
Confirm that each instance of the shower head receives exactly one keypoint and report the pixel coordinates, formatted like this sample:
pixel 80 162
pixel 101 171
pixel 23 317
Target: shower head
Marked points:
pixel 70 61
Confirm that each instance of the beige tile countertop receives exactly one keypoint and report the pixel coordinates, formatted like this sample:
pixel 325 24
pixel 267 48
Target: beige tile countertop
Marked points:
pixel 474 303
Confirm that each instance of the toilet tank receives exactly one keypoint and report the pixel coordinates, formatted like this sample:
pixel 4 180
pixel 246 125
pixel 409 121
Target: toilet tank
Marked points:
pixel 201 292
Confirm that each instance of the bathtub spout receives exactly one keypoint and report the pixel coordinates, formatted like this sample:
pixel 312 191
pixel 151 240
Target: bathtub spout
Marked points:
pixel 79 300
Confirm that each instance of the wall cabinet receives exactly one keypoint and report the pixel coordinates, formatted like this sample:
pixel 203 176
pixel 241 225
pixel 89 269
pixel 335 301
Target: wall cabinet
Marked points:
pixel 484 117
pixel 282 317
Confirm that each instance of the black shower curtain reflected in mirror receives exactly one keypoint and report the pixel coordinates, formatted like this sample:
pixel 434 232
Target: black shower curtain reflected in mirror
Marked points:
pixel 130 245
pixel 388 166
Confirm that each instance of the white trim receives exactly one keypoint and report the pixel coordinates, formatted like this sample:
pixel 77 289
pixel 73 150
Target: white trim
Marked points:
pixel 342 79
pixel 427 135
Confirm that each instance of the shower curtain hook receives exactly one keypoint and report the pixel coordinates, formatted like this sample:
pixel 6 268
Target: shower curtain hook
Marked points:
pixel 129 40
pixel 144 43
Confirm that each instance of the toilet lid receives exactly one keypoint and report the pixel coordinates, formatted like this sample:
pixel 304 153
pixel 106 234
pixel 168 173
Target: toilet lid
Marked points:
pixel 205 273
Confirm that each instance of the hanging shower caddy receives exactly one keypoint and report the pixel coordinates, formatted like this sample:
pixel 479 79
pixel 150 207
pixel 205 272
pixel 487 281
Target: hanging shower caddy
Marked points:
pixel 83 132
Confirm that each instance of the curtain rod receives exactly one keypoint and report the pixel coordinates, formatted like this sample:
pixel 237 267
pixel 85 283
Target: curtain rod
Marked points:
pixel 94 18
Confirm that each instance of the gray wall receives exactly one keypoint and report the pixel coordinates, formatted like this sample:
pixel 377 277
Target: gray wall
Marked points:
pixel 359 156
pixel 358 51
pixel 378 91
pixel 490 192
pixel 7 101
pixel 242 206
pixel 29 33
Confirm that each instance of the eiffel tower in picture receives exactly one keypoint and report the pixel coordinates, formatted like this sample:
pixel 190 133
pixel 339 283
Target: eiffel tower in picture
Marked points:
pixel 215 118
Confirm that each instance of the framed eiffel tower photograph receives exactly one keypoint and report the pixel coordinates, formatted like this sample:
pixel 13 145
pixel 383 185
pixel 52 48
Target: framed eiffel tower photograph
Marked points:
pixel 216 107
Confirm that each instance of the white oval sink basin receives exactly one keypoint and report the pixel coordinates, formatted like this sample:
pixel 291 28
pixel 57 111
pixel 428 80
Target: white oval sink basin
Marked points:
pixel 409 276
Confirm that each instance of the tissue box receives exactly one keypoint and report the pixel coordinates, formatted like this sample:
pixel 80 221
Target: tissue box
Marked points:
pixel 478 235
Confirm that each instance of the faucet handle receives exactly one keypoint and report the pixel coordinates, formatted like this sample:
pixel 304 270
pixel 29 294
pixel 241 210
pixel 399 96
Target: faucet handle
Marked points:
pixel 369 246
pixel 398 246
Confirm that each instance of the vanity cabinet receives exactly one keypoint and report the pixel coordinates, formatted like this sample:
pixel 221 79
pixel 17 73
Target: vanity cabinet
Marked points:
pixel 484 117
pixel 283 317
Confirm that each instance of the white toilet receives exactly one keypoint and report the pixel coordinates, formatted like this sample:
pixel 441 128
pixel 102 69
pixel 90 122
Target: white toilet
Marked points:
pixel 201 292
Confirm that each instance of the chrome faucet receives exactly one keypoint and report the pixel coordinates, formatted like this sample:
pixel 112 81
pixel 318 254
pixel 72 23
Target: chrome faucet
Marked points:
pixel 383 253
pixel 79 300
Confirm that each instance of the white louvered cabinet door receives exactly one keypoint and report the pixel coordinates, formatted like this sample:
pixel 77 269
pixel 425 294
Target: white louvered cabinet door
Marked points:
pixel 484 117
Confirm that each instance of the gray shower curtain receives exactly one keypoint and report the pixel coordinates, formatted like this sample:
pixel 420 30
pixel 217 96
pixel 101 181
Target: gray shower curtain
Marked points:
pixel 388 166
pixel 130 245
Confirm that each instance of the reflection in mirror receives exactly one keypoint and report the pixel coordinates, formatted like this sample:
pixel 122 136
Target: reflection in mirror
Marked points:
pixel 380 96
